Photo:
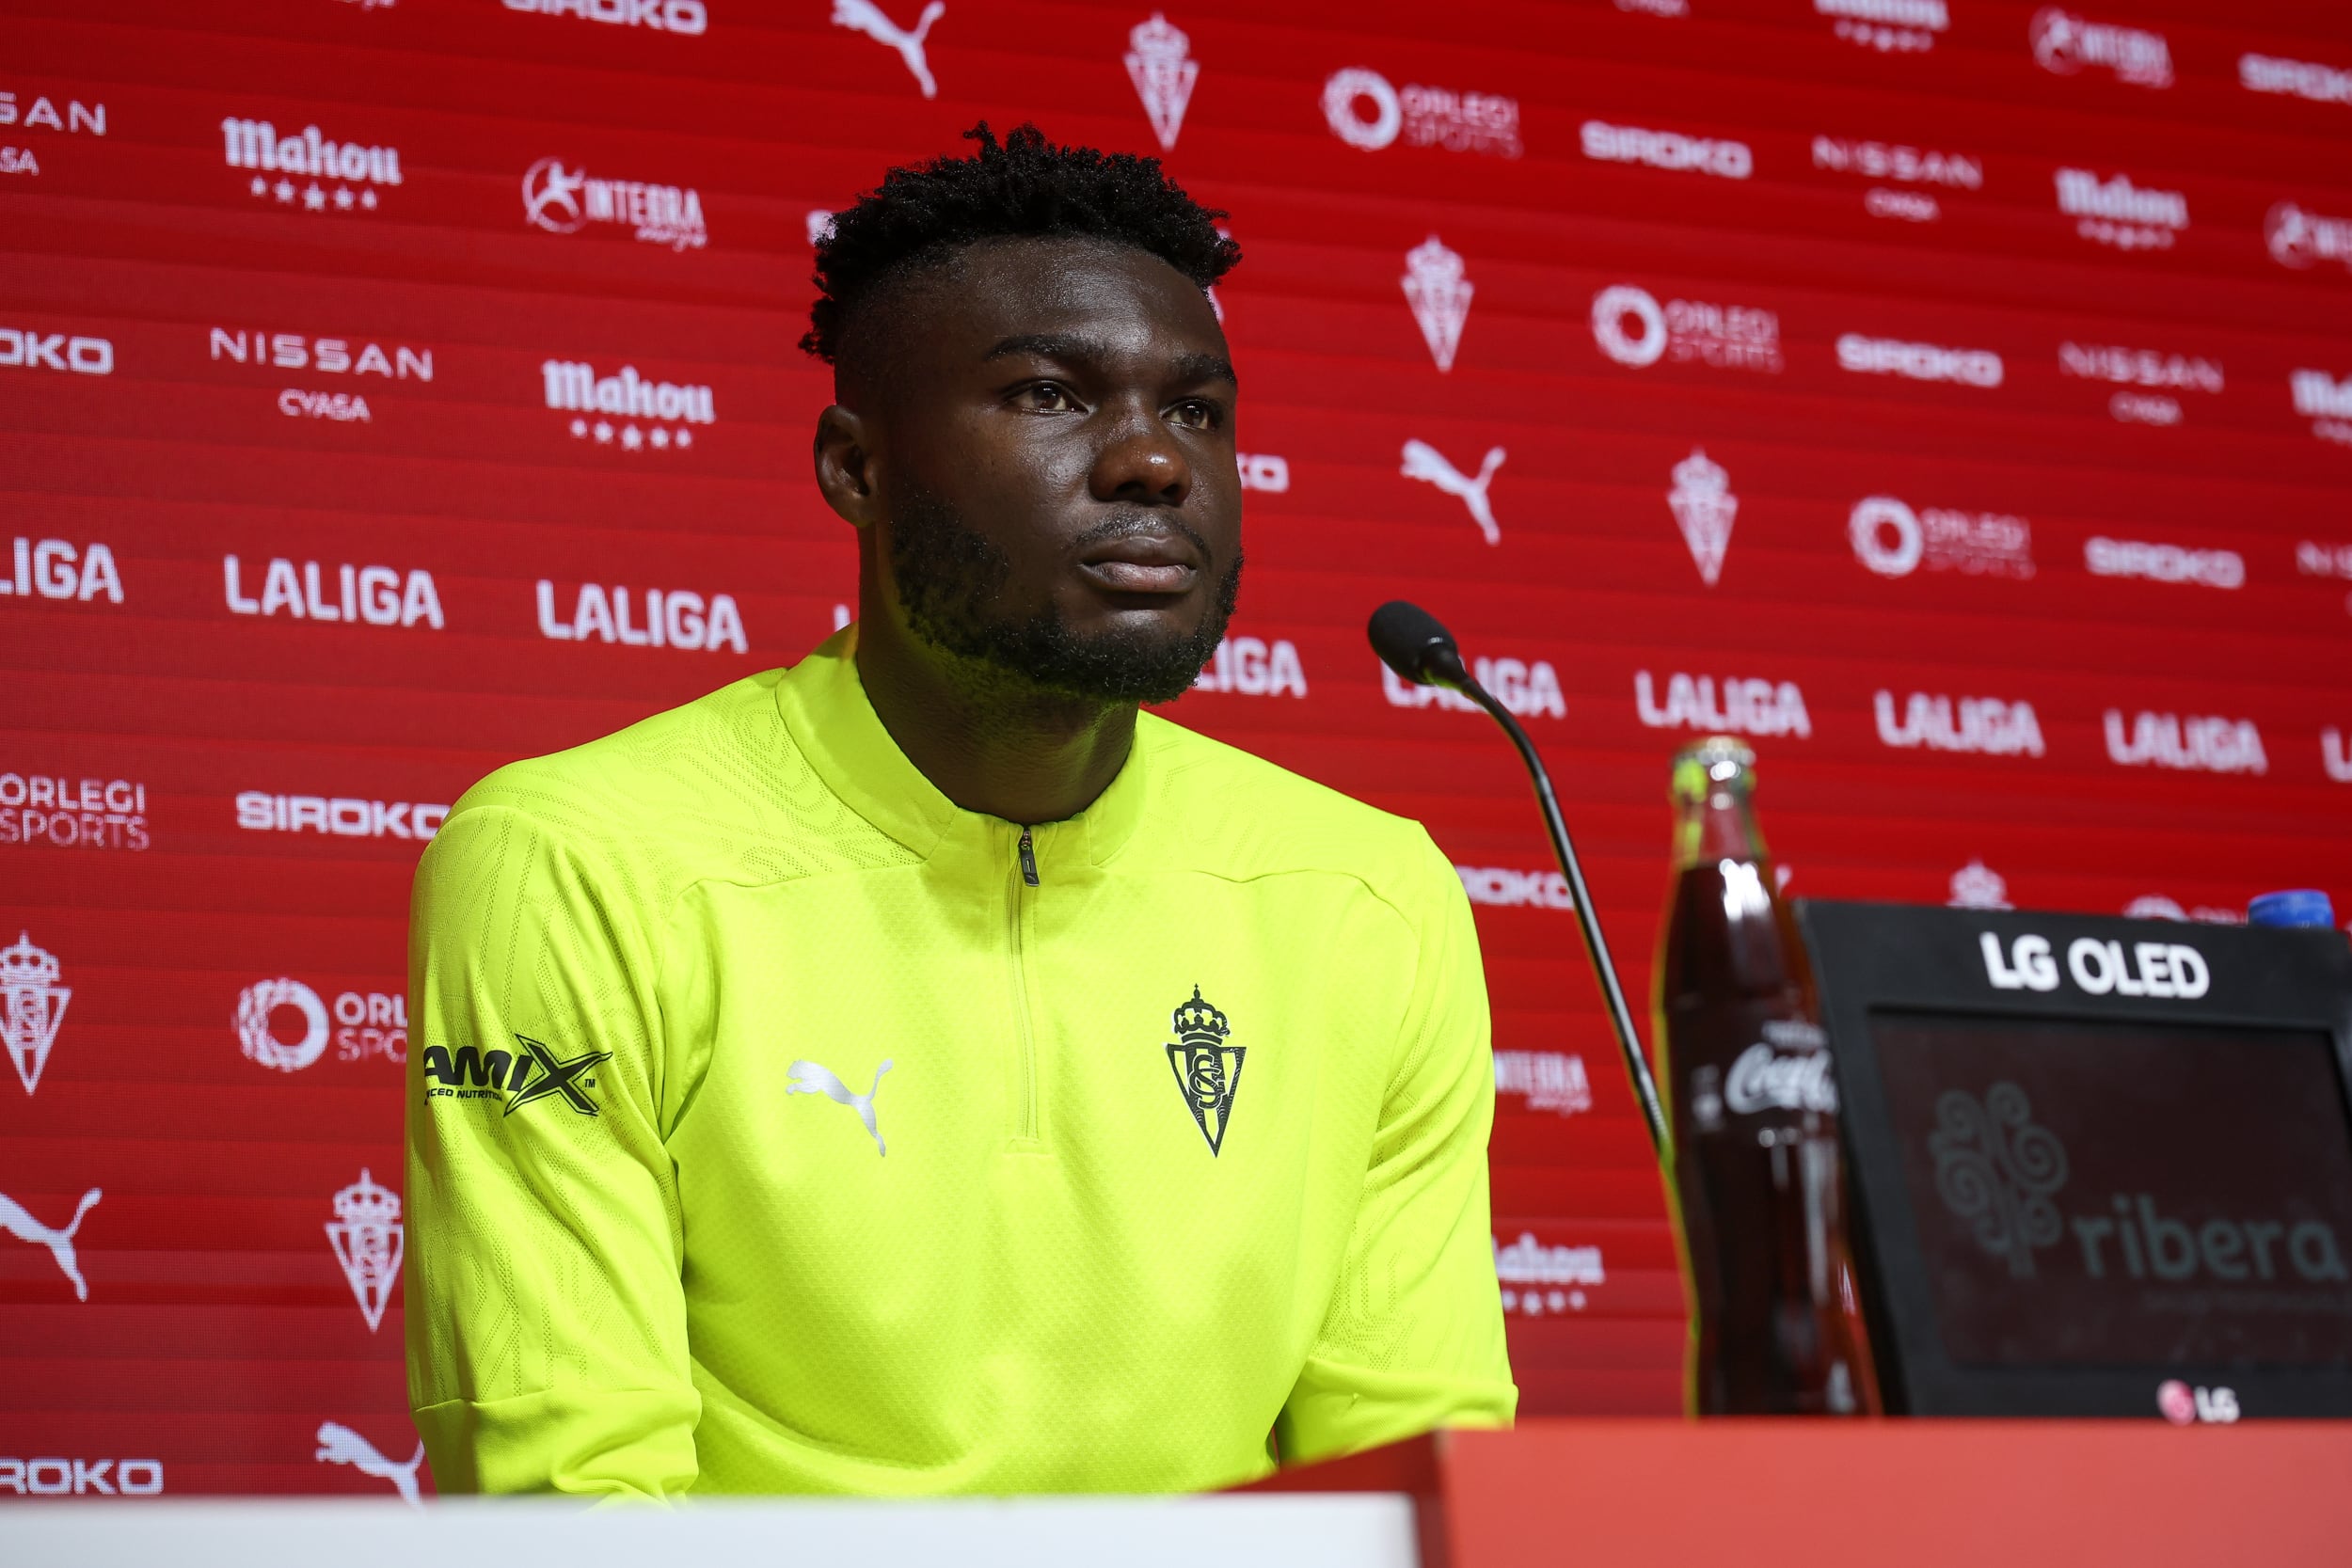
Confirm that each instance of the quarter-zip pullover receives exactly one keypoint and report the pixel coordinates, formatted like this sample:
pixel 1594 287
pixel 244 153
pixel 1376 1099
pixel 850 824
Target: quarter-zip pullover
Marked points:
pixel 776 1125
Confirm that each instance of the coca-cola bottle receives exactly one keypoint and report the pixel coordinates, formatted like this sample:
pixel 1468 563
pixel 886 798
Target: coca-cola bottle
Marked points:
pixel 1757 1182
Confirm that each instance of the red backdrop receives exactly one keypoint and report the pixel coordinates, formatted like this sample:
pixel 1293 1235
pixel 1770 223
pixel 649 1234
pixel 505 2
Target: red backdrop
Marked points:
pixel 1955 396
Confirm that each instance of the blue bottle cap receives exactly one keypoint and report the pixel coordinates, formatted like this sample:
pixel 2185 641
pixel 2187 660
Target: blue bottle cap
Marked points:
pixel 2302 906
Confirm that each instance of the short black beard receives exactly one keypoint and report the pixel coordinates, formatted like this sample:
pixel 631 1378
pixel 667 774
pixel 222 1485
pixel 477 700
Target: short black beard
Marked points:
pixel 949 578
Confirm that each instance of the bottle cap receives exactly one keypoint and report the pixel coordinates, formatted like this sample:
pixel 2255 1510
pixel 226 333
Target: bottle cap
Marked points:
pixel 1717 762
pixel 2301 905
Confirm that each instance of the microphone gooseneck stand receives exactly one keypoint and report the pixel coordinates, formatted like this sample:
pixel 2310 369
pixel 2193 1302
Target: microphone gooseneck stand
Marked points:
pixel 1416 647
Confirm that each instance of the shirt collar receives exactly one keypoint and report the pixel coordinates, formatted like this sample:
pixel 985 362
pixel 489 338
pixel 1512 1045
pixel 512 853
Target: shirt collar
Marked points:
pixel 825 709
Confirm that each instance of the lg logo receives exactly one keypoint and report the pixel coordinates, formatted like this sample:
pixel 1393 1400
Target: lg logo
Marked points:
pixel 2162 969
pixel 2185 1406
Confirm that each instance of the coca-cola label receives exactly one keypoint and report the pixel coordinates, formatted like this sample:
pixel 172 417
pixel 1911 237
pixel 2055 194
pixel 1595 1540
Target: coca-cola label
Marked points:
pixel 1765 1079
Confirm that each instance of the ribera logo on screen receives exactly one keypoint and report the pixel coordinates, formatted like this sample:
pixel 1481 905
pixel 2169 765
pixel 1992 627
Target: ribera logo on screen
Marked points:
pixel 376 595
pixel 2000 1173
pixel 1739 705
pixel 1894 541
pixel 2117 213
pixel 352 172
pixel 2064 43
pixel 563 201
pixel 1631 327
pixel 1530 688
pixel 1889 26
pixel 1668 150
pixel 73 814
pixel 669 410
pixel 2146 378
pixel 79 118
pixel 686 18
pixel 1254 667
pixel 1364 111
pixel 283 1025
pixel 675 618
pixel 2199 743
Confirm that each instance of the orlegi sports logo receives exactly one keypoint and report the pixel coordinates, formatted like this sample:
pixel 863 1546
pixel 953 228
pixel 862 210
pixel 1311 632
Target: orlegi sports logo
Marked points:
pixel 73 814
pixel 513 1079
pixel 1894 541
pixel 686 18
pixel 312 171
pixel 564 200
pixel 283 1025
pixel 2117 213
pixel 1632 328
pixel 1365 111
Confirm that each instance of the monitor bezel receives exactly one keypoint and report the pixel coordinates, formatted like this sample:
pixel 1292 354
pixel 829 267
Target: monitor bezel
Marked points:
pixel 1874 959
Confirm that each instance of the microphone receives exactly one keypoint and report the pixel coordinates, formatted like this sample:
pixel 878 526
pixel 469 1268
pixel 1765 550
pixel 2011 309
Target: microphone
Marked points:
pixel 1416 647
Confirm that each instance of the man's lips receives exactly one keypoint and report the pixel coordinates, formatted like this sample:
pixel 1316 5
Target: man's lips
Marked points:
pixel 1150 562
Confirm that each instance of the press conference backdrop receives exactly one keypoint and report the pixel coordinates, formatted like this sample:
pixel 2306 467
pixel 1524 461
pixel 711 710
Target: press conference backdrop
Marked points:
pixel 1951 396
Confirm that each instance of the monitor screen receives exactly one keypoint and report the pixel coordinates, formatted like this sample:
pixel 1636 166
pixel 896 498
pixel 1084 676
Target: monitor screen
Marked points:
pixel 2113 1194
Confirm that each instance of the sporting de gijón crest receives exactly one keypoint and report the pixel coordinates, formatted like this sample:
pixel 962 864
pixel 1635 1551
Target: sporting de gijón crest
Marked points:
pixel 1208 1070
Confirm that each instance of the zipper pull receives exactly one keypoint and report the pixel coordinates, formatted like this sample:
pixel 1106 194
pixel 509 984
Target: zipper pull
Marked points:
pixel 1028 859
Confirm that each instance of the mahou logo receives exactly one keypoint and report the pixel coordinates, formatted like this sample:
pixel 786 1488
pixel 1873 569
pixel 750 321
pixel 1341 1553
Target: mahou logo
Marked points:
pixel 2064 43
pixel 563 201
pixel 2120 214
pixel 653 416
pixel 1365 111
pixel 1535 1278
pixel 2198 743
pixel 1632 328
pixel 32 1006
pixel 1253 667
pixel 369 1239
pixel 1739 705
pixel 1160 64
pixel 2301 239
pixel 312 172
pixel 1889 26
pixel 1437 286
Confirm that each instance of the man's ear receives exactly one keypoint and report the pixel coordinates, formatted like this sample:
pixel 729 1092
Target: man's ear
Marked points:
pixel 846 463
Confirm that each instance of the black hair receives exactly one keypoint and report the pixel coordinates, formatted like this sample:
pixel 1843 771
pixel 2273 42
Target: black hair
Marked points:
pixel 1024 187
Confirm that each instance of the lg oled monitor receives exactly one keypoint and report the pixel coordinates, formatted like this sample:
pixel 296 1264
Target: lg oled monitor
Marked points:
pixel 2102 1167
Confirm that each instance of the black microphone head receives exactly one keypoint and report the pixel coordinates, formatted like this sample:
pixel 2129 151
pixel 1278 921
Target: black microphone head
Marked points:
pixel 1416 644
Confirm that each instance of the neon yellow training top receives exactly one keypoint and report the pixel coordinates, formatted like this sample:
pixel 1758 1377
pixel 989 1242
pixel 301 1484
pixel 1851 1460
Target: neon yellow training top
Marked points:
pixel 777 1126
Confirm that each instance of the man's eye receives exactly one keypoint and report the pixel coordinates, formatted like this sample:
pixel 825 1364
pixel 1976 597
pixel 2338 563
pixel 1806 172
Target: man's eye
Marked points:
pixel 1046 398
pixel 1196 416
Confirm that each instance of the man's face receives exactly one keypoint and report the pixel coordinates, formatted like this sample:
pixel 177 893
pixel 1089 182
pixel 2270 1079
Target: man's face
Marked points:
pixel 1059 502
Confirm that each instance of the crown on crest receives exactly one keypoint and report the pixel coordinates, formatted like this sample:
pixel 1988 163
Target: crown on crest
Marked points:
pixel 1977 886
pixel 1199 1024
pixel 1433 263
pixel 26 965
pixel 1699 475
pixel 364 1202
pixel 1159 41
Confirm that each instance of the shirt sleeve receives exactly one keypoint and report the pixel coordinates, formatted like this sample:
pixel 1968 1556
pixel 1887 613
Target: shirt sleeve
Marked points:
pixel 1413 1339
pixel 546 1320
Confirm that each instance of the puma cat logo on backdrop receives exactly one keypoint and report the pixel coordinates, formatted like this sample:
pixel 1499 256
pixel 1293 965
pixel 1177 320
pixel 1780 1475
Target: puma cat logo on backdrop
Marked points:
pixel 816 1078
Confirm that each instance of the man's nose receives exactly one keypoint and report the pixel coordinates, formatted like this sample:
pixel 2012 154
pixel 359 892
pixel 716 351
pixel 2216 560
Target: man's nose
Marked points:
pixel 1140 461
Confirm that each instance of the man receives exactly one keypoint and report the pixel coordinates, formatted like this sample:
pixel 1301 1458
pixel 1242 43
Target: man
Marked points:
pixel 915 1071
